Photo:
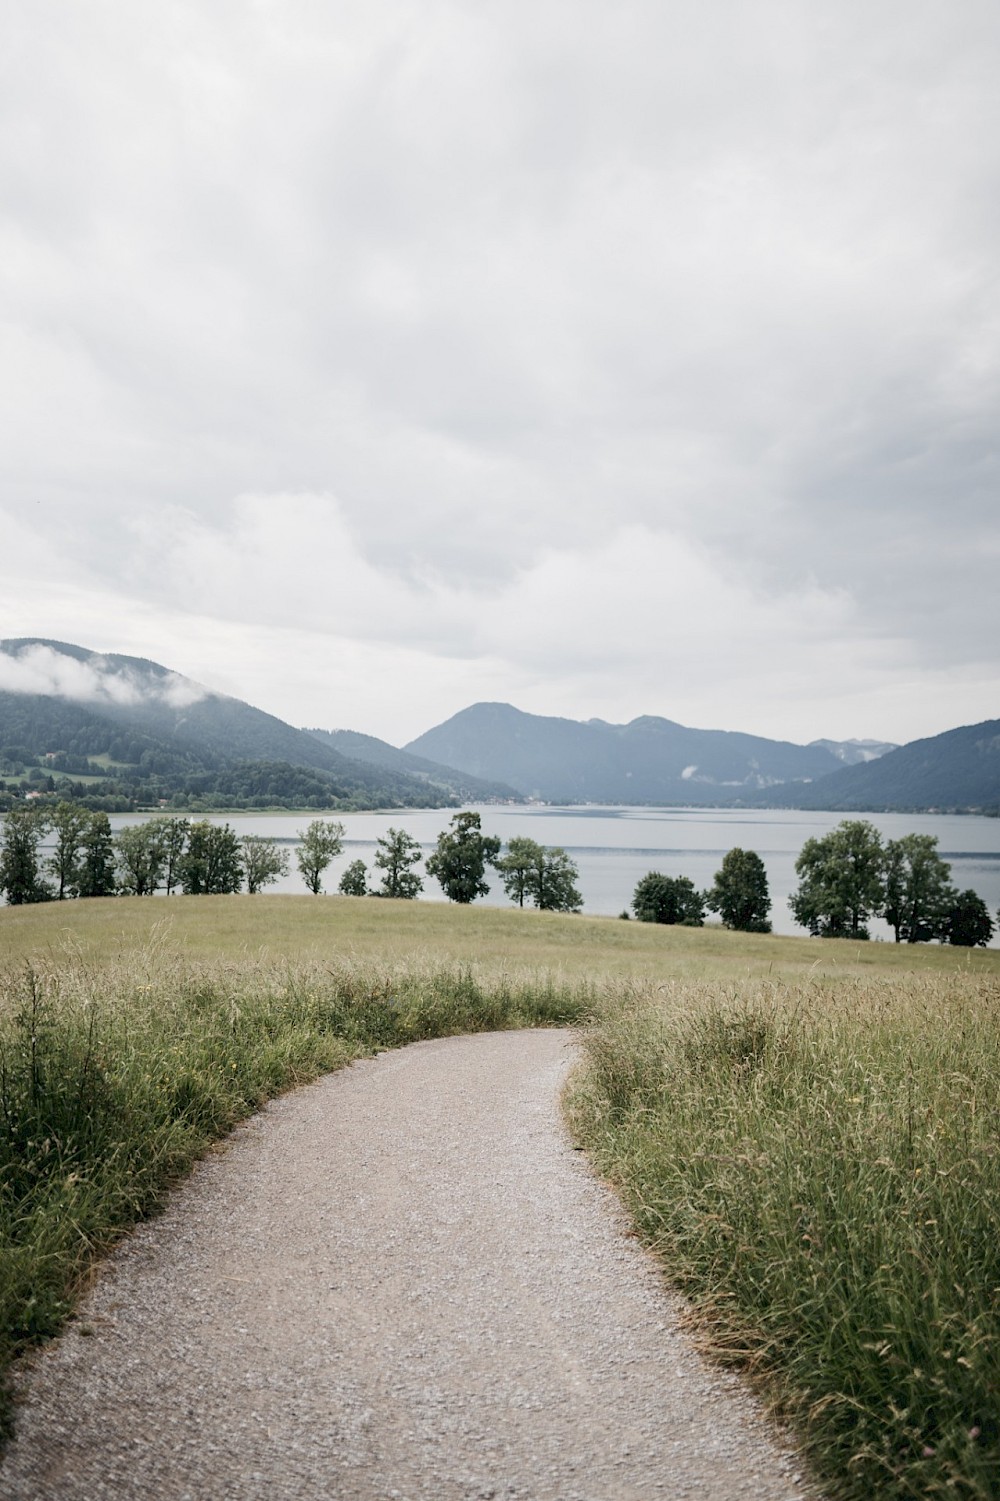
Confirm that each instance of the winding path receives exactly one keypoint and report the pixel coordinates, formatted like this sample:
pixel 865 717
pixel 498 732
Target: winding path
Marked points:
pixel 398 1282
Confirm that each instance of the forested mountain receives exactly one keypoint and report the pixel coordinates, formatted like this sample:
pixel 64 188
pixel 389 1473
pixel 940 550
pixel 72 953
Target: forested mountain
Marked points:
pixel 956 771
pixel 137 733
pixel 650 760
pixel 381 753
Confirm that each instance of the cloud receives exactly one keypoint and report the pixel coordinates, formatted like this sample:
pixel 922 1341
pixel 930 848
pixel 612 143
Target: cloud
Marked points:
pixel 606 352
pixel 54 674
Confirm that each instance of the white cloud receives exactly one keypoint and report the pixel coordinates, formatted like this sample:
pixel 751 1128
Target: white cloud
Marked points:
pixel 605 355
pixel 38 668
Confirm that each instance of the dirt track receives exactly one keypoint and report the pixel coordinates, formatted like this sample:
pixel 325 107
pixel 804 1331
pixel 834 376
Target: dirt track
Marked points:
pixel 399 1282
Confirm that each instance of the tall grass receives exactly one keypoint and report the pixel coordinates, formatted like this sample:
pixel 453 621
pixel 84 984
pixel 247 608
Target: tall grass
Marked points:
pixel 819 1169
pixel 115 1078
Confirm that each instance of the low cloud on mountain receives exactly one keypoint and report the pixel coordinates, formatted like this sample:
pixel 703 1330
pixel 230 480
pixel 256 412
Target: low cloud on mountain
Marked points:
pixel 38 669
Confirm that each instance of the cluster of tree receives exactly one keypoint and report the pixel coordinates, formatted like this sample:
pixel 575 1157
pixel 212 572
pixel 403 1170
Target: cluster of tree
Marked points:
pixel 544 877
pixel 849 876
pixel 739 894
pixel 396 853
pixel 163 853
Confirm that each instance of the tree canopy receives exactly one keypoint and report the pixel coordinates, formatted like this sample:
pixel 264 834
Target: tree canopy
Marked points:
pixel 20 877
pixel 459 862
pixel 969 924
pixel 140 855
pixel 95 873
pixel 263 861
pixel 68 823
pixel 395 855
pixel 212 865
pixel 546 876
pixel 841 881
pixel 322 842
pixel 740 893
pixel 668 899
pixel 918 894
pixel 354 881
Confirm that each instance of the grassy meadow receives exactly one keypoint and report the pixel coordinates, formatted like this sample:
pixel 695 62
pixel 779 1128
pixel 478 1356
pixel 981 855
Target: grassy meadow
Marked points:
pixel 806 1131
pixel 817 1164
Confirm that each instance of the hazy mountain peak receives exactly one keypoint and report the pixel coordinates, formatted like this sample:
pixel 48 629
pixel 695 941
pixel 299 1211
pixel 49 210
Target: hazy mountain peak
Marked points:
pixel 856 752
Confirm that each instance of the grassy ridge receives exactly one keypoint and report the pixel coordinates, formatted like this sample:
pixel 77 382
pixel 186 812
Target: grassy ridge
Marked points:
pixel 115 1077
pixel 819 1168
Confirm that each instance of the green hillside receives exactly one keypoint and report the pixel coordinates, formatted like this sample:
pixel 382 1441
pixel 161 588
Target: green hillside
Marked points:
pixel 145 736
pixel 958 771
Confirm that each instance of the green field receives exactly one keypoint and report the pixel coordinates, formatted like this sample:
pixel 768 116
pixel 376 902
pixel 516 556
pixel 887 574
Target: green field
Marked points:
pixel 807 1131
pixel 298 927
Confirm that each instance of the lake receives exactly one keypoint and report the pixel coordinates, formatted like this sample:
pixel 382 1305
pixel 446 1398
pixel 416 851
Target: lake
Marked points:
pixel 615 846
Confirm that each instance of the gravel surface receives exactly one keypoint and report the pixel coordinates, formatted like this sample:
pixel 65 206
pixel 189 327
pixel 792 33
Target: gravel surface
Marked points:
pixel 398 1282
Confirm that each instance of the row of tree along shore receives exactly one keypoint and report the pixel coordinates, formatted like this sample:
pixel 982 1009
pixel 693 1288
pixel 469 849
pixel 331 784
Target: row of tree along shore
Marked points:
pixel 847 877
pixel 70 851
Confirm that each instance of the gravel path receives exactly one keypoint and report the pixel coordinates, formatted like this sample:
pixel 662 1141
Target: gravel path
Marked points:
pixel 398 1282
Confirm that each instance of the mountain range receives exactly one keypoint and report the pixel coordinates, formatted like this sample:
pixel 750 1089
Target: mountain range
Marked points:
pixel 655 760
pixel 121 732
pixel 650 760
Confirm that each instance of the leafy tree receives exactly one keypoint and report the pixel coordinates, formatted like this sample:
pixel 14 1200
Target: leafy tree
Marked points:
pixel 918 890
pixel 552 884
pixel 394 855
pixel 740 894
pixel 354 881
pixel 516 866
pixel 172 835
pixel 460 859
pixel 68 823
pixel 322 841
pixel 668 899
pixel 211 865
pixel 969 924
pixel 546 876
pixel 95 875
pixel 841 881
pixel 20 877
pixel 139 855
pixel 263 861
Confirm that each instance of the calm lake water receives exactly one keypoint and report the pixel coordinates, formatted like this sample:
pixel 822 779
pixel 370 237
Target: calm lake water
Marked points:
pixel 615 847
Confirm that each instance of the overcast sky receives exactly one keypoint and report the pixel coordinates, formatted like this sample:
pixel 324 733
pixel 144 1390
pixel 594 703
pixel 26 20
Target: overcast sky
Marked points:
pixel 366 360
